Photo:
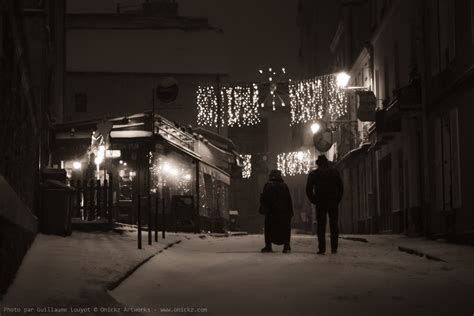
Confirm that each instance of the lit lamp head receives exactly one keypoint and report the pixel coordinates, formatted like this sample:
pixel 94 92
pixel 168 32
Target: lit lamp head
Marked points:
pixel 76 165
pixel 342 79
pixel 98 160
pixel 300 156
pixel 315 127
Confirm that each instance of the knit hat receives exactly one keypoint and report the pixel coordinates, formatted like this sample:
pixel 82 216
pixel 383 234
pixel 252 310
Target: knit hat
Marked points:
pixel 275 174
pixel 322 160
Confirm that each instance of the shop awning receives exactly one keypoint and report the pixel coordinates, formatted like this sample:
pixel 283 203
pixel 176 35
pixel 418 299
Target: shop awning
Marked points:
pixel 205 166
pixel 216 173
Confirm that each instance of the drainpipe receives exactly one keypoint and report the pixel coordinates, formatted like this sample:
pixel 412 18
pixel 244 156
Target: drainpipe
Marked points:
pixel 424 58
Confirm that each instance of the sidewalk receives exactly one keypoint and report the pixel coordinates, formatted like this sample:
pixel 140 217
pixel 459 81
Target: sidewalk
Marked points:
pixel 458 257
pixel 77 270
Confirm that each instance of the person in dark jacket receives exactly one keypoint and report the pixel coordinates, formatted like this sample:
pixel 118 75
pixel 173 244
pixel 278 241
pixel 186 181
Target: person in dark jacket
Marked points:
pixel 324 189
pixel 276 205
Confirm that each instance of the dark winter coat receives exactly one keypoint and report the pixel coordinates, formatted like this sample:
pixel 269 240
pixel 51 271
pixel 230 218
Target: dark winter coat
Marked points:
pixel 276 204
pixel 324 185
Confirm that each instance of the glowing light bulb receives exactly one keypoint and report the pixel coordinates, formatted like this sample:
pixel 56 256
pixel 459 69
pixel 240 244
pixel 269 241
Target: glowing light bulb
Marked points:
pixel 342 79
pixel 76 165
pixel 98 160
pixel 315 127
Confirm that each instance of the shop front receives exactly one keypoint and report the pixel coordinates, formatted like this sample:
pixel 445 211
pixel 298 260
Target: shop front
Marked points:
pixel 167 170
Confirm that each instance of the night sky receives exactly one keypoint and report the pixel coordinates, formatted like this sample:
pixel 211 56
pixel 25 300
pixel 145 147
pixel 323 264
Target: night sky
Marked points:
pixel 258 34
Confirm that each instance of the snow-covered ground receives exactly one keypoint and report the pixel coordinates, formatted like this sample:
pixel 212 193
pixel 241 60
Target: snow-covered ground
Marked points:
pixel 229 276
pixel 75 271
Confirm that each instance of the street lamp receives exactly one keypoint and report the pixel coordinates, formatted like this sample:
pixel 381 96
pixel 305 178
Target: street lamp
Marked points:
pixel 342 79
pixel 98 160
pixel 315 127
pixel 76 165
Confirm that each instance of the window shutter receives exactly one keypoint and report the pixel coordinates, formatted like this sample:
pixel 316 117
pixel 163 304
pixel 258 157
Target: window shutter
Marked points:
pixel 438 166
pixel 456 165
pixel 433 37
pixel 472 20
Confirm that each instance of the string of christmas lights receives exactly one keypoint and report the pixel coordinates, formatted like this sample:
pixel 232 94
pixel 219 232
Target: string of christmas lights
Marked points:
pixel 247 168
pixel 239 106
pixel 274 93
pixel 316 98
pixel 208 109
pixel 293 163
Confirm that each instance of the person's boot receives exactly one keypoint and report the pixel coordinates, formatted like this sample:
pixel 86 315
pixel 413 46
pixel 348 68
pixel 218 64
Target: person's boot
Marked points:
pixel 267 248
pixel 286 249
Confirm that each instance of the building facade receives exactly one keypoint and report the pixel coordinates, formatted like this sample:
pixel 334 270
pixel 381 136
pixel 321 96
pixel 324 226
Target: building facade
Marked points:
pixel 404 159
pixel 448 75
pixel 117 164
pixel 106 77
pixel 30 77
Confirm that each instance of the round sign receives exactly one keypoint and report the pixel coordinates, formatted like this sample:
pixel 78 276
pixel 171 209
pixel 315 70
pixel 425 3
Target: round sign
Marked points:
pixel 167 89
pixel 322 141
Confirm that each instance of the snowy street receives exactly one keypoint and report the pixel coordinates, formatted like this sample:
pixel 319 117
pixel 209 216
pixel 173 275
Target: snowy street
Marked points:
pixel 229 276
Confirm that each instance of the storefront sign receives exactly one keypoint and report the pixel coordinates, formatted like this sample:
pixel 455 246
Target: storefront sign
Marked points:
pixel 113 153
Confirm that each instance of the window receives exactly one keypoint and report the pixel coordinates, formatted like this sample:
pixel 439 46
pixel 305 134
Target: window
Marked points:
pixel 377 86
pixel 386 186
pixel 386 78
pixel 442 34
pixel 447 162
pixel 447 32
pixel 472 20
pixel 396 61
pixel 80 101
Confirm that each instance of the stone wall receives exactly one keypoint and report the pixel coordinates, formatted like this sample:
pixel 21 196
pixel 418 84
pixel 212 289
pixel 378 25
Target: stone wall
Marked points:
pixel 14 243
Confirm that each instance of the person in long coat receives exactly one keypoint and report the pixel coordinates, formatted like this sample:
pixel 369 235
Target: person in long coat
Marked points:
pixel 276 205
pixel 324 189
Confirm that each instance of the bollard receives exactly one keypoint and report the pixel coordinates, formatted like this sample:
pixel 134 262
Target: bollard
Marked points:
pixel 110 199
pixel 105 198
pixel 91 214
pixel 149 219
pixel 163 234
pixel 139 218
pixel 98 213
pixel 156 217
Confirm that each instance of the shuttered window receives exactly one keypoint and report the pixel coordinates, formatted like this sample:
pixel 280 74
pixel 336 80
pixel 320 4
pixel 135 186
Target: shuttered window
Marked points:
pixel 472 20
pixel 447 162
